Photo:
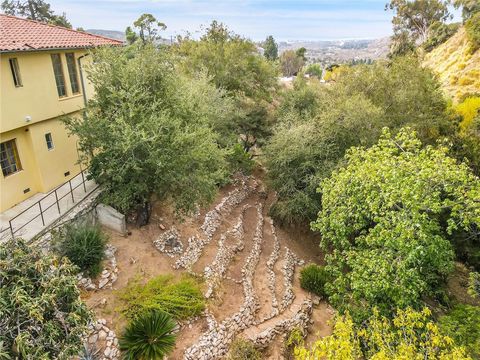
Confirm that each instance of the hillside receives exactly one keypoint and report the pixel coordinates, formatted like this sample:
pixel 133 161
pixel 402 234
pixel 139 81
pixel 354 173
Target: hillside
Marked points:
pixel 458 70
pixel 329 52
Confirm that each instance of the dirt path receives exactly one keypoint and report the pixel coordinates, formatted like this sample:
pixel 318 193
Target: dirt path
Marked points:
pixel 250 267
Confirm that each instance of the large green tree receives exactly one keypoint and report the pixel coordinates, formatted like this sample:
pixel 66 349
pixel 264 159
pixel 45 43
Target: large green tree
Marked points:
pixel 149 131
pixel 148 27
pixel 317 124
pixel 35 10
pixel 415 17
pixel 270 48
pixel 299 155
pixel 41 313
pixel 386 221
pixel 232 62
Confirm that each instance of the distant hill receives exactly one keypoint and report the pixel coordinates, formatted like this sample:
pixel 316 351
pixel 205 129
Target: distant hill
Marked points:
pixel 329 52
pixel 113 34
pixel 457 69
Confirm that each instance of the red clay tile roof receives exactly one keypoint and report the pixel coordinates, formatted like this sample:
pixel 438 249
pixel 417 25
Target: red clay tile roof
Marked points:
pixel 17 34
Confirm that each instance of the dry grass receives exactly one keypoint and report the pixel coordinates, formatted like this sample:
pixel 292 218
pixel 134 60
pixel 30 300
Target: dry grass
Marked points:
pixel 456 67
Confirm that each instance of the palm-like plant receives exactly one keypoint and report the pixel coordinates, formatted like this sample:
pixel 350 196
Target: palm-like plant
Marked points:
pixel 148 337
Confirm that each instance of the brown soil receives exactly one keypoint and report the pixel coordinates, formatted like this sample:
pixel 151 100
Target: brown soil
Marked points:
pixel 137 257
pixel 457 286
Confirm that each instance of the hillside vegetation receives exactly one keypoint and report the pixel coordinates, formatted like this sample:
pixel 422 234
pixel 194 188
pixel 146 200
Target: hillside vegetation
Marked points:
pixel 457 67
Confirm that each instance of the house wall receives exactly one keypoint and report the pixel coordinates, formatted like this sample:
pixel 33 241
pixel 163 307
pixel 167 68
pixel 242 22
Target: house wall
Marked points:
pixel 42 169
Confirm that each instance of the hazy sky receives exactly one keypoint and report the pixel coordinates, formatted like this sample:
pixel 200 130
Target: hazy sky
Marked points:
pixel 284 19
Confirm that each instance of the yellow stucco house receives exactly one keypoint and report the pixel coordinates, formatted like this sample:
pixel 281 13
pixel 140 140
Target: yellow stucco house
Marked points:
pixel 41 79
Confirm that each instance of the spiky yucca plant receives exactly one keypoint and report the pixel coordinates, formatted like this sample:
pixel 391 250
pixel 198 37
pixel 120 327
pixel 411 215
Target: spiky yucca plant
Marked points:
pixel 148 337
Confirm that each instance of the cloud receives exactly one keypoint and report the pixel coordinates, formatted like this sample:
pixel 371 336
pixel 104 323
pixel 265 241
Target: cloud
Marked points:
pixel 284 19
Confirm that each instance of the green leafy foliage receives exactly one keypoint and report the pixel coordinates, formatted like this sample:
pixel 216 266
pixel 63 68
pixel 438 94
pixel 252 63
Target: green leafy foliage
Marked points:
pixel 439 33
pixel 148 27
pixel 231 62
pixel 314 70
pixel 415 18
pixel 472 27
pixel 243 350
pixel 41 313
pixel 84 245
pixel 317 124
pixel 386 219
pixel 313 279
pixel 146 126
pixel 291 62
pixel 462 324
pixel 149 337
pixel 240 160
pixel 270 48
pixel 474 284
pixel 36 10
pixel 410 335
pixel 181 299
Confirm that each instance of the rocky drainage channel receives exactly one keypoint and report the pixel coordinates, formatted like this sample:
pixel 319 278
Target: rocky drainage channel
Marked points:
pixel 225 254
pixel 212 222
pixel 215 342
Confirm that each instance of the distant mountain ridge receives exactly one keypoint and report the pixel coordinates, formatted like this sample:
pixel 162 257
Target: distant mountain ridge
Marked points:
pixel 112 34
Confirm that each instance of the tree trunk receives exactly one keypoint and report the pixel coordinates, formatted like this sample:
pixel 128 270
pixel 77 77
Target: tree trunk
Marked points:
pixel 143 213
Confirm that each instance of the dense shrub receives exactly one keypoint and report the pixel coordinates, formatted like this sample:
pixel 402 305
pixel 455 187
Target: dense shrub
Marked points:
pixel 314 70
pixel 387 219
pixel 439 33
pixel 151 131
pixel 243 350
pixel 318 124
pixel 313 279
pixel 474 284
pixel 462 324
pixel 472 26
pixel 469 108
pixel 410 335
pixel 239 160
pixel 181 299
pixel 149 337
pixel 84 245
pixel 41 313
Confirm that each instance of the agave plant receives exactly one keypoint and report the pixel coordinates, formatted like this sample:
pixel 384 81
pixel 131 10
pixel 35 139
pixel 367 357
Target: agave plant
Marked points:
pixel 148 337
pixel 89 353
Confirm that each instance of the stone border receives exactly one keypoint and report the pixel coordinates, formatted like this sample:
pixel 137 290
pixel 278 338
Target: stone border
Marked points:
pixel 215 343
pixel 103 339
pixel 108 276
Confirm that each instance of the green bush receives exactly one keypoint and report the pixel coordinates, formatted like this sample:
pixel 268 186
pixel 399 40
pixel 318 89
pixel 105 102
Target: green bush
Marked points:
pixel 84 245
pixel 239 160
pixel 181 299
pixel 474 284
pixel 243 350
pixel 314 70
pixel 41 313
pixel 439 33
pixel 313 279
pixel 472 26
pixel 148 337
pixel 462 324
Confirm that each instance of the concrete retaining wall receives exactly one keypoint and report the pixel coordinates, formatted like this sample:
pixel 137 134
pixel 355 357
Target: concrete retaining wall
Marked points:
pixel 111 218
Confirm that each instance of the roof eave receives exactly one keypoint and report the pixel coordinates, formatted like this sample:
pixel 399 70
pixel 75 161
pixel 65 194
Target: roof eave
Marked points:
pixel 56 48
